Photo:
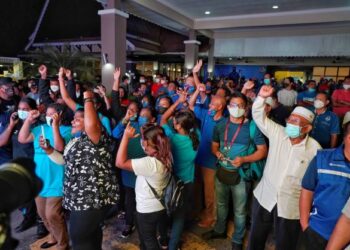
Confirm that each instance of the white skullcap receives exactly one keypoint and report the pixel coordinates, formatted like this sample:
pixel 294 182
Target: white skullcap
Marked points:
pixel 269 101
pixel 304 112
pixel 346 118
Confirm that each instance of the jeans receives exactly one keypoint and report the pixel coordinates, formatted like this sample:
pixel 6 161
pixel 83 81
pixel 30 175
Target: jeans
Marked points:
pixel 208 175
pixel 179 217
pixel 130 206
pixel 286 231
pixel 85 229
pixel 147 225
pixel 239 197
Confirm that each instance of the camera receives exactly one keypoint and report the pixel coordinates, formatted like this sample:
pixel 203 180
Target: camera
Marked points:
pixel 18 185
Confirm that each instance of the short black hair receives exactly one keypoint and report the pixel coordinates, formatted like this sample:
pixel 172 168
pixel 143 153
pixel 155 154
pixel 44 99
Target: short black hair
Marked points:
pixel 240 95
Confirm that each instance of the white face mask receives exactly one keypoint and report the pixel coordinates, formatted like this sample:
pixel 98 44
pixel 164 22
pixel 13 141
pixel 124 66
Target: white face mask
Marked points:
pixel 54 88
pixel 157 80
pixel 22 114
pixel 142 80
pixel 318 104
pixel 48 120
pixel 77 94
pixel 346 86
pixel 236 112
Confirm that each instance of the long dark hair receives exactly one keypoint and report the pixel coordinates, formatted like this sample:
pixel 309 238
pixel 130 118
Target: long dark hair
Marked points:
pixel 155 136
pixel 187 121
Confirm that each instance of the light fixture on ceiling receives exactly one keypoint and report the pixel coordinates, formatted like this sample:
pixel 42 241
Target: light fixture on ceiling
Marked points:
pixel 275 7
pixel 230 58
pixel 207 12
pixel 1 65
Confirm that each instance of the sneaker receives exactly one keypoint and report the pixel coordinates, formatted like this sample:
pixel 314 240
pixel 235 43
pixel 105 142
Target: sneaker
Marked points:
pixel 236 246
pixel 213 235
pixel 127 231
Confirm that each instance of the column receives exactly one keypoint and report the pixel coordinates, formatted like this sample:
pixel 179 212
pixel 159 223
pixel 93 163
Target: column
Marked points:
pixel 211 59
pixel 191 50
pixel 113 41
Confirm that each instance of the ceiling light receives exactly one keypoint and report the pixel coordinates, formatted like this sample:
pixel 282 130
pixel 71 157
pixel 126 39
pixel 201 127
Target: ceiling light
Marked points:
pixel 207 12
pixel 230 58
pixel 32 64
pixel 1 65
pixel 275 7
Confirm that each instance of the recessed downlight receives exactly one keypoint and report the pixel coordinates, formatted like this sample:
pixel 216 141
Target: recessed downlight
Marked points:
pixel 207 12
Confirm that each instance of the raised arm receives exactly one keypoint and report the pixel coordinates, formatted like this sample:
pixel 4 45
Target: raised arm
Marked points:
pixel 92 123
pixel 170 111
pixel 57 137
pixel 115 105
pixel 70 85
pixel 193 98
pixel 195 71
pixel 44 87
pixel 64 93
pixel 25 136
pixel 122 160
pixel 247 86
pixel 6 134
pixel 102 93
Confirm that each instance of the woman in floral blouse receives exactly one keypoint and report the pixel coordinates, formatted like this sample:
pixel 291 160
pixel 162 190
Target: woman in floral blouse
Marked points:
pixel 90 185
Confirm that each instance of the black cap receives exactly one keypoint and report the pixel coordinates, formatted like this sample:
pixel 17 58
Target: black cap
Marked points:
pixel 5 80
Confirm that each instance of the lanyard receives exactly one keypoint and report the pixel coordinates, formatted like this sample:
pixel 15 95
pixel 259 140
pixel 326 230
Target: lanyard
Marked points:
pixel 234 136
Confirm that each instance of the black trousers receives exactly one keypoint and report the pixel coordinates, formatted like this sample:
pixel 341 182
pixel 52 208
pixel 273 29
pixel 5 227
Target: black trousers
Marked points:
pixel 287 232
pixel 85 229
pixel 130 206
pixel 147 225
pixel 311 240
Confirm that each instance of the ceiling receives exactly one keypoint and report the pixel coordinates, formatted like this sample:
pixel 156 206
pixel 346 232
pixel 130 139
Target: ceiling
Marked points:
pixel 196 8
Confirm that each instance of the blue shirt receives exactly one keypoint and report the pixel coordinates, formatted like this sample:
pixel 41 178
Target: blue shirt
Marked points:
pixel 328 177
pixel 205 157
pixel 240 145
pixel 307 96
pixel 134 151
pixel 324 126
pixel 183 154
pixel 49 172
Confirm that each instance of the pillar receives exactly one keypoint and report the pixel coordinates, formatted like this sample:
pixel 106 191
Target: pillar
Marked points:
pixel 211 59
pixel 191 50
pixel 113 41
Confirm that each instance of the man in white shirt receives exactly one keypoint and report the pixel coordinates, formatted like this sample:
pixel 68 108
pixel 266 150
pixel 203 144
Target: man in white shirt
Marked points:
pixel 277 194
pixel 287 96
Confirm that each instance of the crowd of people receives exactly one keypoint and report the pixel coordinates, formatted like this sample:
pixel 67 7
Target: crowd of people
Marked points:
pixel 273 156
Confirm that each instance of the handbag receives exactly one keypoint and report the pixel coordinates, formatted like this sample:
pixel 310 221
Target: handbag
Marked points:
pixel 228 177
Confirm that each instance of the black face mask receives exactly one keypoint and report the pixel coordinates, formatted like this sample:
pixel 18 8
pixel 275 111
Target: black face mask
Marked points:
pixel 161 110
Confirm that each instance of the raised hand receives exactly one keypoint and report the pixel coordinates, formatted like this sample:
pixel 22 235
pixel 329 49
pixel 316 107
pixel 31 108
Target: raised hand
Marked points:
pixel 56 119
pixel 14 119
pixel 249 85
pixel 202 87
pixel 266 91
pixel 42 71
pixel 197 67
pixel 129 132
pixel 116 74
pixel 61 72
pixel 33 115
pixel 182 96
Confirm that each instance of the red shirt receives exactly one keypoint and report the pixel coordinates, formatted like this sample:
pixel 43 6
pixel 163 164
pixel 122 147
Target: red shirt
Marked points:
pixel 155 88
pixel 341 95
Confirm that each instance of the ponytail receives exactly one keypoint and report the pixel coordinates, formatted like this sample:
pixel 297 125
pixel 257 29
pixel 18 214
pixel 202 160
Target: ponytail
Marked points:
pixel 187 121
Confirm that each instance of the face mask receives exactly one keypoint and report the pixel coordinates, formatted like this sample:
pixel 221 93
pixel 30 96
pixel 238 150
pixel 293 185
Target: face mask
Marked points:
pixel 161 110
pixel 157 80
pixel 312 90
pixel 236 112
pixel 212 112
pixel 171 92
pixel 293 131
pixel 143 120
pixel 77 94
pixel 346 86
pixel 318 104
pixel 29 85
pixel 145 104
pixel 163 81
pixel 48 120
pixel 22 114
pixel 191 90
pixel 267 81
pixel 142 80
pixel 54 88
pixel 133 118
pixel 208 88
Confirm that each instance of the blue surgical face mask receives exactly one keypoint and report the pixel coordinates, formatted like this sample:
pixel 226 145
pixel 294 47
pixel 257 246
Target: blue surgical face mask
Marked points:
pixel 267 81
pixel 22 114
pixel 191 90
pixel 208 88
pixel 133 118
pixel 171 92
pixel 143 120
pixel 212 112
pixel 145 104
pixel 312 89
pixel 293 131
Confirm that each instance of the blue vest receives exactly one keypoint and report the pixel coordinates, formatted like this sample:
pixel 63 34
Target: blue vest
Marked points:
pixel 332 190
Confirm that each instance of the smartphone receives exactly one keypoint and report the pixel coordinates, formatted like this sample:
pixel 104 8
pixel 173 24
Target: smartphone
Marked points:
pixel 15 117
pixel 43 135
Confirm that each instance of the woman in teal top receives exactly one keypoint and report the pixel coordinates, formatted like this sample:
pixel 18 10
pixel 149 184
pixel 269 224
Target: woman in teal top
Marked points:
pixel 184 139
pixel 49 200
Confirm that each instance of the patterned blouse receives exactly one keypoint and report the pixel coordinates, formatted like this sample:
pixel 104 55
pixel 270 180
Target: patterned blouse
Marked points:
pixel 90 182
